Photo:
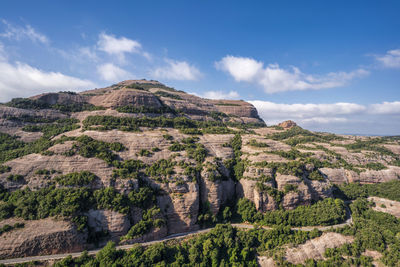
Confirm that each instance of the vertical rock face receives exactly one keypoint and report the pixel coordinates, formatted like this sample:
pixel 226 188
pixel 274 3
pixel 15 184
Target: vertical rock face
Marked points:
pixel 340 176
pixel 247 188
pixel 60 98
pixel 299 195
pixel 41 237
pixel 181 208
pixel 116 224
pixel 216 191
pixel 125 97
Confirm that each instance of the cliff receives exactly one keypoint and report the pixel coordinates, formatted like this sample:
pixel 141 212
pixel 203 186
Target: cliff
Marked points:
pixel 183 151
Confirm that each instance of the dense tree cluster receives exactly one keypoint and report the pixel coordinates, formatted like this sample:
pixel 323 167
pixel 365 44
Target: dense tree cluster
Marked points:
pixel 325 212
pixel 222 246
pixel 82 178
pixel 88 147
pixel 12 147
pixel 27 103
pixel 389 190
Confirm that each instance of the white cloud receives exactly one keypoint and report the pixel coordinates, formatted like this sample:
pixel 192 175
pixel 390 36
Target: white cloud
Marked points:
pixel 23 80
pixel 276 79
pixel 177 70
pixel 391 59
pixel 221 95
pixel 305 111
pixel 385 108
pixel 19 33
pixel 117 46
pixel 241 68
pixel 112 73
pixel 348 117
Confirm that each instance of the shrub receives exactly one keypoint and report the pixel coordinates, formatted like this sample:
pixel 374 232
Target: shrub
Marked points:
pixel 253 142
pixel 4 168
pixel 16 178
pixel 76 178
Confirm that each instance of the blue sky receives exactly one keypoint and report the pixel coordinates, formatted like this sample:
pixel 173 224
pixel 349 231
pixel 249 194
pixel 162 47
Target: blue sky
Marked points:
pixel 328 65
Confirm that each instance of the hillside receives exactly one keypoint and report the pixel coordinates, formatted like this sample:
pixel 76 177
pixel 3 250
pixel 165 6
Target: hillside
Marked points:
pixel 138 161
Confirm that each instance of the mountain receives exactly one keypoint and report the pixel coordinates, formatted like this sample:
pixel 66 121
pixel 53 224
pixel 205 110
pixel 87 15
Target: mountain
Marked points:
pixel 138 161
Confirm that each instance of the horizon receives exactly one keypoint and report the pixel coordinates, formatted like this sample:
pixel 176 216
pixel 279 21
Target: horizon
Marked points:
pixel 330 67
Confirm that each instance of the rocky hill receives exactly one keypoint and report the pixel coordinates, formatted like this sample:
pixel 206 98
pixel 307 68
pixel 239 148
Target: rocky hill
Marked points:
pixel 138 161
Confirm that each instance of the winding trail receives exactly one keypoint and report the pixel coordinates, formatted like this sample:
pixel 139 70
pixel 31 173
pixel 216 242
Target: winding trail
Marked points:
pixel 348 221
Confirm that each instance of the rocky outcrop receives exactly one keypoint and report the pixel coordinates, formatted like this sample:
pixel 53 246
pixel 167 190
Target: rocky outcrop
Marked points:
pixel 287 124
pixel 125 97
pixel 41 237
pixel 28 165
pixel 247 188
pixel 340 176
pixel 181 208
pixel 315 248
pixel 60 98
pixel 112 222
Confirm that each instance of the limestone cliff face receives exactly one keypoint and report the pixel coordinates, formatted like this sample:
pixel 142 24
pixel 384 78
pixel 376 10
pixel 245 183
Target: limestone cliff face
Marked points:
pixel 41 237
pixel 114 223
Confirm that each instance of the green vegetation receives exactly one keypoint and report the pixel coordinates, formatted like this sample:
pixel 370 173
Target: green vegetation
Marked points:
pixel 88 147
pixel 371 144
pixel 8 228
pixel 297 135
pixel 222 246
pixel 325 212
pixel 147 86
pixel 144 153
pixel 291 154
pixel 144 226
pixel 4 168
pixel 253 142
pixel 16 178
pixel 12 147
pixel 184 124
pixel 168 137
pixel 160 169
pixel 389 190
pixel 145 109
pixel 76 179
pixel 375 166
pixel 227 104
pixel 70 202
pixel 27 103
pixel 169 95
pixel 128 169
pixel 373 231
pixel 53 129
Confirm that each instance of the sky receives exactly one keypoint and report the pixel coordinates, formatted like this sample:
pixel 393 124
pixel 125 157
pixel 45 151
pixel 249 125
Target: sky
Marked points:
pixel 330 66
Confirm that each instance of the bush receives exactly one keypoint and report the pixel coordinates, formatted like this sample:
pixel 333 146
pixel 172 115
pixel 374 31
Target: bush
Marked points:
pixel 76 179
pixel 4 168
pixel 16 178
pixel 253 142
pixel 144 153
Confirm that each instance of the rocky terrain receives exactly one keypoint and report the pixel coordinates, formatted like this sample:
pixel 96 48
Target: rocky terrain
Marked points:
pixel 188 160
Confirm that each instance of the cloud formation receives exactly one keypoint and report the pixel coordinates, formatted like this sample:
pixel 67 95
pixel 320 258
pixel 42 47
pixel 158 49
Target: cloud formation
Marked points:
pixel 18 33
pixel 221 95
pixel 391 59
pixel 112 73
pixel 315 115
pixel 21 80
pixel 177 70
pixel 275 79
pixel 117 46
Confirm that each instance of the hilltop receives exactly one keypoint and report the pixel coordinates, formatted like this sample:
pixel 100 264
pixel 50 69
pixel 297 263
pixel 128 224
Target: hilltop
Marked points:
pixel 138 160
